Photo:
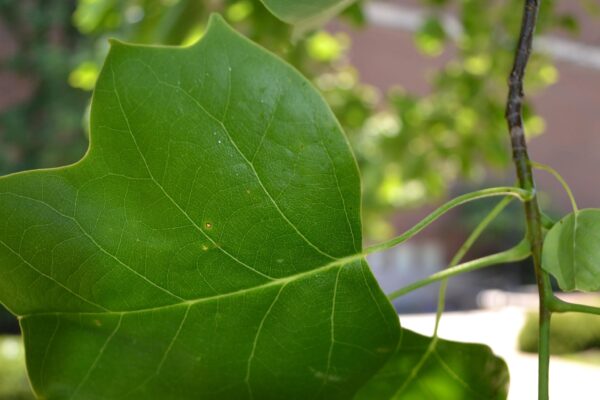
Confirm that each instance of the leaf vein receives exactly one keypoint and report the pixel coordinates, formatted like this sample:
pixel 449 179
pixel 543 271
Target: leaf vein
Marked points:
pixel 64 287
pixel 98 357
pixel 162 189
pixel 255 342
pixel 248 162
pixel 98 245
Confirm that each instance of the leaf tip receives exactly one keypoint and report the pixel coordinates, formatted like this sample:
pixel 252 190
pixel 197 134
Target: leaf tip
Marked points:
pixel 217 25
pixel 217 22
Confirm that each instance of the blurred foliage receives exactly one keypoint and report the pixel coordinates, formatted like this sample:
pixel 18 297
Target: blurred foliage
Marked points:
pixel 46 129
pixel 570 333
pixel 421 144
pixel 410 147
pixel 14 384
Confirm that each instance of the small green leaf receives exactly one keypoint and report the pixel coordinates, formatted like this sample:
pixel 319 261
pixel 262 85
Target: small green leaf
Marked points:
pixel 572 251
pixel 306 14
pixel 205 247
pixel 427 368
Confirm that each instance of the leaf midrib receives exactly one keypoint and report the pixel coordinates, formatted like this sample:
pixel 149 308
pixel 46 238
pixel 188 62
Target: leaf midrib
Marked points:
pixel 339 263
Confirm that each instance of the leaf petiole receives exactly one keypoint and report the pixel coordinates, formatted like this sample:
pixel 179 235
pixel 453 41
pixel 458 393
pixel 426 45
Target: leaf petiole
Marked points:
pixel 521 194
pixel 560 179
pixel 517 253
pixel 475 234
pixel 561 306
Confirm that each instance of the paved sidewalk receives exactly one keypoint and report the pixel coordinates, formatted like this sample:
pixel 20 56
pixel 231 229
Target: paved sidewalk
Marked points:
pixel 499 329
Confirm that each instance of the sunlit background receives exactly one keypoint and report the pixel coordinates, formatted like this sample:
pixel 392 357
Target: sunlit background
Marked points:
pixel 419 87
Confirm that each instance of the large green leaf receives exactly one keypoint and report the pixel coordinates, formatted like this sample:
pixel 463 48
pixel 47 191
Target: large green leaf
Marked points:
pixel 572 251
pixel 202 249
pixel 427 368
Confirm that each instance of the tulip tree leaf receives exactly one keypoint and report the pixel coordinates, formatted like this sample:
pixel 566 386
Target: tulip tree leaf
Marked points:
pixel 427 368
pixel 205 247
pixel 571 251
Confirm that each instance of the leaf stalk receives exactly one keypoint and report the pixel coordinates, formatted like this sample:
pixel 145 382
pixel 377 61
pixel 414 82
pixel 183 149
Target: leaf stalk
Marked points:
pixel 560 179
pixel 520 193
pixel 560 306
pixel 462 251
pixel 519 252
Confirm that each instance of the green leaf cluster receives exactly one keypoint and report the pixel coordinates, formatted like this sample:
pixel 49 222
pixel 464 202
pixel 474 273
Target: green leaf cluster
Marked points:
pixel 425 142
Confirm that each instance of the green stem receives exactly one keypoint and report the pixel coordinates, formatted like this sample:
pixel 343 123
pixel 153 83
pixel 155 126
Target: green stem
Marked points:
pixel 462 251
pixel 560 179
pixel 561 306
pixel 479 230
pixel 544 351
pixel 517 253
pixel 522 194
pixel 514 118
